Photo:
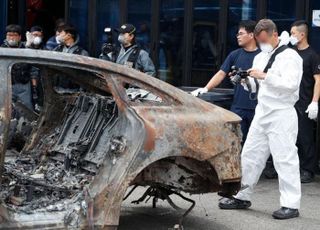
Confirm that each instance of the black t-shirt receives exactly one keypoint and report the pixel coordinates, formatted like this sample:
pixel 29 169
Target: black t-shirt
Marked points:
pixel 311 66
pixel 241 59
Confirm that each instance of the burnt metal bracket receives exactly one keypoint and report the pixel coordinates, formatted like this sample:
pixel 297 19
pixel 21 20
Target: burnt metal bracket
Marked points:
pixel 163 194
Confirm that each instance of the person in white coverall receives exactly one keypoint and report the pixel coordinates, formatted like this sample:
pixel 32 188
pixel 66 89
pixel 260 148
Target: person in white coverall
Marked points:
pixel 275 126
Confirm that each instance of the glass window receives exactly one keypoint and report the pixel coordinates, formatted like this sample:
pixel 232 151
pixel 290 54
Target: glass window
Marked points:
pixel 139 14
pixel 108 15
pixel 314 35
pixel 205 48
pixel 44 13
pixel 282 13
pixel 78 16
pixel 239 11
pixel 171 41
pixel 3 21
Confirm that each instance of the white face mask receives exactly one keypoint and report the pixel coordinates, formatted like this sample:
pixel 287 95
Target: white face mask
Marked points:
pixel 37 41
pixel 13 43
pixel 266 47
pixel 57 40
pixel 60 39
pixel 294 40
pixel 121 38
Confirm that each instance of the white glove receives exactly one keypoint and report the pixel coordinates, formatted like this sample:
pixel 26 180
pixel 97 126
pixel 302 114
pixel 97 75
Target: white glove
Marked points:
pixel 199 91
pixel 30 38
pixel 312 110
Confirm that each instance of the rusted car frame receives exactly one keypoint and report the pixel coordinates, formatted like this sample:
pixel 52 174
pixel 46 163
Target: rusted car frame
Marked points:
pixel 173 142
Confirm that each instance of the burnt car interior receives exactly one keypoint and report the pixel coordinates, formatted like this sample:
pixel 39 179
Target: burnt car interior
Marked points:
pixel 74 136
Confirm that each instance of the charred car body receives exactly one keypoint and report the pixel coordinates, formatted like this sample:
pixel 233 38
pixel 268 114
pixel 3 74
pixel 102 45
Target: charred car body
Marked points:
pixel 120 129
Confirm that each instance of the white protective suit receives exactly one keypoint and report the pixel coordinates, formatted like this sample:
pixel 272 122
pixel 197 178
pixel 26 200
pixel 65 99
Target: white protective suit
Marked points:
pixel 274 128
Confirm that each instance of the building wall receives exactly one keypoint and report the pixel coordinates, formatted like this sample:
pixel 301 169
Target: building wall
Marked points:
pixel 3 19
pixel 187 39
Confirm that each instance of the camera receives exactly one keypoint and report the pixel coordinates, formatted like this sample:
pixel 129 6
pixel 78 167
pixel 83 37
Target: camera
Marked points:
pixel 108 46
pixel 237 74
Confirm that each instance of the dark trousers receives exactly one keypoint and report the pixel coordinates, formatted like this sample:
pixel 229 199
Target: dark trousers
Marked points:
pixel 247 117
pixel 22 93
pixel 306 142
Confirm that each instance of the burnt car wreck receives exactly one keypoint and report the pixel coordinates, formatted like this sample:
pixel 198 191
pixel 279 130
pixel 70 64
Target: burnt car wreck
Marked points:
pixel 120 128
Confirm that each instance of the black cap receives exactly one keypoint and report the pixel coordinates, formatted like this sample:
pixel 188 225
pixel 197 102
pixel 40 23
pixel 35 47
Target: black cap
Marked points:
pixel 126 28
pixel 36 28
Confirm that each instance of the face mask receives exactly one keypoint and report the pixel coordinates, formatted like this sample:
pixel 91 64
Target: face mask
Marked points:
pixel 13 43
pixel 57 40
pixel 266 47
pixel 294 40
pixel 37 41
pixel 60 39
pixel 121 39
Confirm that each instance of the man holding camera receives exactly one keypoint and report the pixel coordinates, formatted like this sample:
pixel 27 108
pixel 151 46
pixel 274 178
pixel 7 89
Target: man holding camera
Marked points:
pixel 129 53
pixel 244 103
pixel 275 125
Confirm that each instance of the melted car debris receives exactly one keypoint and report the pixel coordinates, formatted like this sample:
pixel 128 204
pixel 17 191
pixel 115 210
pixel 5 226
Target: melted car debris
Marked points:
pixel 64 163
pixel 21 125
pixel 29 184
pixel 43 180
pixel 142 95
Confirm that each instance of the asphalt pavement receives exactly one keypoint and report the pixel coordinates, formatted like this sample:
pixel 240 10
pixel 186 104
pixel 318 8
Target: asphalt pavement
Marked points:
pixel 207 216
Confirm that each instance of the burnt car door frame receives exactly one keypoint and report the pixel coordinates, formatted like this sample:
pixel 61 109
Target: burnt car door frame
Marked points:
pixel 5 110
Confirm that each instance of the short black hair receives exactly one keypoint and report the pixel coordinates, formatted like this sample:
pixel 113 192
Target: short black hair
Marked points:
pixel 70 30
pixel 13 28
pixel 248 25
pixel 59 22
pixel 301 24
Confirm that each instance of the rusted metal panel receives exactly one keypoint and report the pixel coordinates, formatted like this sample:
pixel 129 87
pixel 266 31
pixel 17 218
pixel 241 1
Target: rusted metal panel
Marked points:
pixel 107 138
pixel 5 110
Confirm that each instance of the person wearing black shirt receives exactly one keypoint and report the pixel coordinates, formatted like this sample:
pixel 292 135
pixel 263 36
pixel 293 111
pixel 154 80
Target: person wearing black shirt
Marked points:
pixel 242 104
pixel 307 105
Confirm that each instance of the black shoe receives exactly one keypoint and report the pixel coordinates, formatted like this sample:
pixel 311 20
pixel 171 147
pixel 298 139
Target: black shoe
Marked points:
pixel 285 213
pixel 270 173
pixel 233 203
pixel 306 176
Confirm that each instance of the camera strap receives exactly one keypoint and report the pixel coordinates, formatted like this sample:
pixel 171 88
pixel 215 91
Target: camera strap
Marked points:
pixel 273 57
pixel 268 66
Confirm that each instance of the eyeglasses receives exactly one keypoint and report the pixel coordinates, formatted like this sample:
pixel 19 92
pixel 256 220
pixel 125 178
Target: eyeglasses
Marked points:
pixel 240 34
